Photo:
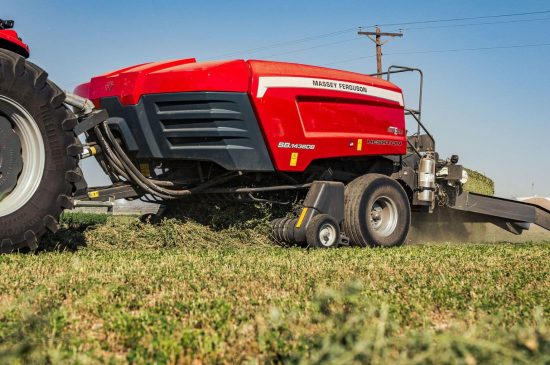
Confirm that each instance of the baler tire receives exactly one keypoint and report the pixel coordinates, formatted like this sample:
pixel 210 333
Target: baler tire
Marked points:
pixel 323 226
pixel 376 194
pixel 32 100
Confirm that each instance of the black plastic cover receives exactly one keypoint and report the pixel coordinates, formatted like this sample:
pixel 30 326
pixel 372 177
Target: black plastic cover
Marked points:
pixel 327 197
pixel 323 197
pixel 220 127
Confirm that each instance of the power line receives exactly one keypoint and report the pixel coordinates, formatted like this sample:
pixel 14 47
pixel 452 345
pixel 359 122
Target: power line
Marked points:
pixel 413 28
pixel 289 42
pixel 313 47
pixel 474 24
pixel 466 18
pixel 343 31
pixel 473 49
pixel 444 51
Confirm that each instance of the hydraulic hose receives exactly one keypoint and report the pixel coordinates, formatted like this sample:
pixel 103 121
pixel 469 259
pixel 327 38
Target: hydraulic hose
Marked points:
pixel 131 169
pixel 123 166
pixel 115 164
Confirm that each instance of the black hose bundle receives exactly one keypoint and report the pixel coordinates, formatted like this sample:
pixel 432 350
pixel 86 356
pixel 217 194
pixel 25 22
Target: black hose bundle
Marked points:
pixel 121 168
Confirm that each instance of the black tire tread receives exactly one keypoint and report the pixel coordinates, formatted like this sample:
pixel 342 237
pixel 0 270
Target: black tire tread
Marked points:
pixel 312 231
pixel 16 74
pixel 352 201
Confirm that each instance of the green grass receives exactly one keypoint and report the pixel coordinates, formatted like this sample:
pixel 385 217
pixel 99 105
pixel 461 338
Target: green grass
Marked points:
pixel 120 291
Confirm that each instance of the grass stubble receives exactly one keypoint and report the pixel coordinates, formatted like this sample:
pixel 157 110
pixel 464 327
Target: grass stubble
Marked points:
pixel 116 290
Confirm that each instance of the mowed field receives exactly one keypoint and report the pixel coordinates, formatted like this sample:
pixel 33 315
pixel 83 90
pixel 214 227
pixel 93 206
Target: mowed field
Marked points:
pixel 114 290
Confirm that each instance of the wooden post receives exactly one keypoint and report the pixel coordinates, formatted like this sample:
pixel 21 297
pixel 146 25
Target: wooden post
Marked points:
pixel 378 41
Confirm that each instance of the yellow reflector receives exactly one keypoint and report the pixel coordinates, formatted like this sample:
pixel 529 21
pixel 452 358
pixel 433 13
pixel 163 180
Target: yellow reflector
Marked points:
pixel 301 219
pixel 294 159
pixel 359 144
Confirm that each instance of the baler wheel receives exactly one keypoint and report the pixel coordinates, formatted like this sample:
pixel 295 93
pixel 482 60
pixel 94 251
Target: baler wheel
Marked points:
pixel 323 232
pixel 377 211
pixel 38 154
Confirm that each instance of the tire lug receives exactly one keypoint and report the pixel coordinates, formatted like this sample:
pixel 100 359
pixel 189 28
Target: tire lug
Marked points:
pixel 73 176
pixel 31 240
pixel 51 223
pixel 65 202
pixel 74 150
pixel 69 124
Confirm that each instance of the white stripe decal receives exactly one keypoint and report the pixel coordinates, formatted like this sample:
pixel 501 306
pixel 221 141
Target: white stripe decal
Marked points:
pixel 267 82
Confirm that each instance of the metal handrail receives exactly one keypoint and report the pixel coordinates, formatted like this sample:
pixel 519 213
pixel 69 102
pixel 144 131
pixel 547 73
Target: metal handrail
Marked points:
pixel 420 124
pixel 414 148
pixel 415 113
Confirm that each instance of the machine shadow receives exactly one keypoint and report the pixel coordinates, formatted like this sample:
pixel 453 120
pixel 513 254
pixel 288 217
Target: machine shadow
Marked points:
pixel 67 239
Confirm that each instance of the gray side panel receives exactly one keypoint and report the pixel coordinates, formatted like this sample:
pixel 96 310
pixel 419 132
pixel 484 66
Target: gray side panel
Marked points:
pixel 205 126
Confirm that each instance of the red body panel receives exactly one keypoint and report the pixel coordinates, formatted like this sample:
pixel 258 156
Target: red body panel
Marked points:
pixel 129 84
pixel 12 42
pixel 306 113
pixel 338 123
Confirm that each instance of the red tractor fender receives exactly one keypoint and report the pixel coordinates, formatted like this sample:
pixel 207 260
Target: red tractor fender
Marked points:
pixel 10 40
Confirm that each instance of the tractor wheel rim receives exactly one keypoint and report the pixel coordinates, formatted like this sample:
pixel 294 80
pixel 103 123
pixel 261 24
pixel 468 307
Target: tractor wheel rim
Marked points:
pixel 32 153
pixel 383 216
pixel 327 235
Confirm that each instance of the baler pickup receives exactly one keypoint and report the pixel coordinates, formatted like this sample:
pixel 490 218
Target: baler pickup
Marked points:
pixel 512 215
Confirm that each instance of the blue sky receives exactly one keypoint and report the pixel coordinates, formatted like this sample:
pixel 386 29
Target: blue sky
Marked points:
pixel 488 106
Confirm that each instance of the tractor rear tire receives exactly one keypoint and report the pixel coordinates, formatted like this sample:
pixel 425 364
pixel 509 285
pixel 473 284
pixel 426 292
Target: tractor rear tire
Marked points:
pixel 377 211
pixel 38 156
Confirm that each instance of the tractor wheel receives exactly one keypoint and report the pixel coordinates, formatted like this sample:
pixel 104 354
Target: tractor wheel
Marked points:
pixel 323 232
pixel 38 154
pixel 377 211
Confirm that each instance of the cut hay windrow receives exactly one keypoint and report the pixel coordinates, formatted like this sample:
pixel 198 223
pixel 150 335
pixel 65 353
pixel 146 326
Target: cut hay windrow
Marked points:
pixel 479 183
pixel 194 224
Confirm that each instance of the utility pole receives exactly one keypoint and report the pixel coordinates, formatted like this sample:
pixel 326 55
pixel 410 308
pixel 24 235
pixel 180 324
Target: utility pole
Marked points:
pixel 377 34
